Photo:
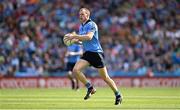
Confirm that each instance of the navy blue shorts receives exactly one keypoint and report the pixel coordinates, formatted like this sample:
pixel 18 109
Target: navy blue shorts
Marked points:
pixel 96 59
pixel 70 66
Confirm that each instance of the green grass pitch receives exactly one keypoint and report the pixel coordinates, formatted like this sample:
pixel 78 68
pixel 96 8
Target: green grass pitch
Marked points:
pixel 67 99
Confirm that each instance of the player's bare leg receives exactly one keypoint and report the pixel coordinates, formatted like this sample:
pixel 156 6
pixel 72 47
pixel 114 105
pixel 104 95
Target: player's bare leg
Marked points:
pixel 73 81
pixel 77 84
pixel 103 73
pixel 79 66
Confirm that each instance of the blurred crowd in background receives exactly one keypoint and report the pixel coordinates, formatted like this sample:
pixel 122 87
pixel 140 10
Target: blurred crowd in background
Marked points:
pixel 139 37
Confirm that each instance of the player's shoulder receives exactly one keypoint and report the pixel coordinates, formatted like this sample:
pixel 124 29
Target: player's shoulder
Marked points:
pixel 91 23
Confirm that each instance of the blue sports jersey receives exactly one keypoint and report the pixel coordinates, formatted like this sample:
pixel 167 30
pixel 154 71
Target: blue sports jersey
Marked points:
pixel 92 45
pixel 73 48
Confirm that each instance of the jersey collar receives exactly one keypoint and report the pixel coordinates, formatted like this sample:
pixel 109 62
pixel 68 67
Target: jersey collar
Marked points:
pixel 86 22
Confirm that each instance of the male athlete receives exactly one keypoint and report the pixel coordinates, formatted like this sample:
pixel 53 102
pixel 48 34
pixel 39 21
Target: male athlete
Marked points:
pixel 93 55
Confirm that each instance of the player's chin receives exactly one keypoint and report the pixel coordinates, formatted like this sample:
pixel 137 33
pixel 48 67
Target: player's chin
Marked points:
pixel 81 20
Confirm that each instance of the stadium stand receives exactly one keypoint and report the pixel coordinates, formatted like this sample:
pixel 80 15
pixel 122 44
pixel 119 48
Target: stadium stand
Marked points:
pixel 139 37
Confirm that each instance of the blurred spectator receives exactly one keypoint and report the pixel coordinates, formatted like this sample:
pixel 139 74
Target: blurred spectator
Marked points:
pixel 137 35
pixel 3 68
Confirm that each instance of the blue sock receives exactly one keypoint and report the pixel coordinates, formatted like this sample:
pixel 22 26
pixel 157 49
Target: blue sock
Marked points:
pixel 117 93
pixel 88 85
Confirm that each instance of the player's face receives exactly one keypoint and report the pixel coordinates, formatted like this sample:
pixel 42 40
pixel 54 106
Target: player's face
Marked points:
pixel 83 16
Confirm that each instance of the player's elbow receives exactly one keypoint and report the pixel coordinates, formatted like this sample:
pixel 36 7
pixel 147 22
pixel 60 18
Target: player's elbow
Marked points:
pixel 89 37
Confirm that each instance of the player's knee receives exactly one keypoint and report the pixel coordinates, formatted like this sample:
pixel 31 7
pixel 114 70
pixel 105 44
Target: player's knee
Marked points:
pixel 69 74
pixel 76 70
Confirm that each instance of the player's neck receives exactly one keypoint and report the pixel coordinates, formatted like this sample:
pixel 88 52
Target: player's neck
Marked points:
pixel 85 21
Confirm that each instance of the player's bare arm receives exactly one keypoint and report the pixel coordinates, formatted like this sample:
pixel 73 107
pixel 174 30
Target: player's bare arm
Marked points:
pixel 84 37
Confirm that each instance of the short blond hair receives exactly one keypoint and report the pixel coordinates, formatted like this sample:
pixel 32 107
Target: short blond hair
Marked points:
pixel 86 10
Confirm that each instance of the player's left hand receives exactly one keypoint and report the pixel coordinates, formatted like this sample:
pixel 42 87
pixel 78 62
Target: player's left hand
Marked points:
pixel 71 36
